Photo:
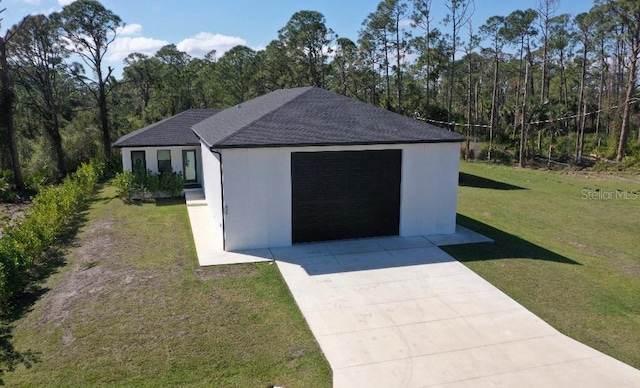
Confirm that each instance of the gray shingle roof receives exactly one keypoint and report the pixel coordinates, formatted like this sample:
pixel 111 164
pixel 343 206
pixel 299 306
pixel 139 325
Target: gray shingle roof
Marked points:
pixel 173 131
pixel 313 116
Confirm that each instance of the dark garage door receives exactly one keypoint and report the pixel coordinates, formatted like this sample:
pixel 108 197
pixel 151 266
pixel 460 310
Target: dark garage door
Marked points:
pixel 345 194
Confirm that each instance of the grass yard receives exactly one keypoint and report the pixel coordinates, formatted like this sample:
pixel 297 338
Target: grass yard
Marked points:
pixel 565 251
pixel 131 307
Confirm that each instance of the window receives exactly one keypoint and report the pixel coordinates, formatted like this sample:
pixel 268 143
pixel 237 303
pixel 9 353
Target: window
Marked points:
pixel 164 161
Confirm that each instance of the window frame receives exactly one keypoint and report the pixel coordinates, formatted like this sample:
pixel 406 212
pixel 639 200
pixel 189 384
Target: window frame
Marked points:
pixel 162 170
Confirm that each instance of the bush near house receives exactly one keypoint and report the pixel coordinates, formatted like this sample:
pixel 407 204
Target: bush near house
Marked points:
pixel 130 186
pixel 54 210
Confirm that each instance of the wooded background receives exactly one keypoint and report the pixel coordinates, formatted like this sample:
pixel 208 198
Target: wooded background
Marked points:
pixel 530 85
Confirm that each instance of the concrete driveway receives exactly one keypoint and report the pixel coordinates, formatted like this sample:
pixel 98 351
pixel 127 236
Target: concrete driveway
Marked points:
pixel 400 312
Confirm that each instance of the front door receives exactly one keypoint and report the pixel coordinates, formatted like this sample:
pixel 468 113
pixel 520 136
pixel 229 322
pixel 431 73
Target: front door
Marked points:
pixel 138 163
pixel 189 166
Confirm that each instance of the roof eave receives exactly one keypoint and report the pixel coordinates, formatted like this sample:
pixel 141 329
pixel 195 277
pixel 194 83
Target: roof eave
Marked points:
pixel 328 144
pixel 153 145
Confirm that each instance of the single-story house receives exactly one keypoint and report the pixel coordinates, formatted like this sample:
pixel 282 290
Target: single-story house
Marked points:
pixel 169 144
pixel 306 164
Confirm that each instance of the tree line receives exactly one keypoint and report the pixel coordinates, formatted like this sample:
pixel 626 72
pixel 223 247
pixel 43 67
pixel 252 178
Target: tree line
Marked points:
pixel 533 83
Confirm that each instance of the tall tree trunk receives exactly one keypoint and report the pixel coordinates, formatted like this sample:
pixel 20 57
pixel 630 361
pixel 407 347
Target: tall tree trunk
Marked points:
pixel 453 70
pixel 494 104
pixel 476 101
pixel 544 87
pixel 550 147
pixel 6 114
pixel 315 77
pixel 469 82
pixel 104 121
pixel 529 58
pixel 523 132
pixel 624 128
pixel 563 81
pixel 583 120
pixel 56 140
pixel 515 116
pixel 386 71
pixel 603 64
pixel 610 82
pixel 428 91
pixel 398 68
pixel 581 107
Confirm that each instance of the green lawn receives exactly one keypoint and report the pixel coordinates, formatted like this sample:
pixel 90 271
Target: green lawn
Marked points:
pixel 565 251
pixel 131 307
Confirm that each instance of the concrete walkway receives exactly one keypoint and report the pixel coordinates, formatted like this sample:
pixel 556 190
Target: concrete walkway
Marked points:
pixel 400 312
pixel 207 238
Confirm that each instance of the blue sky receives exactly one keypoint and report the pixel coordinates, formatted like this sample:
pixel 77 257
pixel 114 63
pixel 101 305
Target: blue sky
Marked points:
pixel 197 26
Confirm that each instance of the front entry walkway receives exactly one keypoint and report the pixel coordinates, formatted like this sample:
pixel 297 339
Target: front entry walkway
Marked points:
pixel 208 239
pixel 400 312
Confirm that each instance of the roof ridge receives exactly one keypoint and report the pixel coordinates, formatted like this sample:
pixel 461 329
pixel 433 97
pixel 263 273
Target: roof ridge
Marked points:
pixel 272 111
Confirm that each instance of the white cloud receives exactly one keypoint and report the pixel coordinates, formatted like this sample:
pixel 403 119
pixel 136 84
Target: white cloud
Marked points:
pixel 31 2
pixel 121 47
pixel 196 46
pixel 203 42
pixel 65 2
pixel 129 29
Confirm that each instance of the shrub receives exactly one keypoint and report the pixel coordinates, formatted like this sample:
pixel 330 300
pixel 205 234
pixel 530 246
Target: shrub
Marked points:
pixel 172 183
pixel 54 210
pixel 152 183
pixel 88 175
pixel 127 185
pixel 130 186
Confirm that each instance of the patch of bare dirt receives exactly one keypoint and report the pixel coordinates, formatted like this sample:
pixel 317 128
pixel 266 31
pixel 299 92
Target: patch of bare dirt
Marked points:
pixel 97 273
pixel 96 242
pixel 78 283
pixel 88 275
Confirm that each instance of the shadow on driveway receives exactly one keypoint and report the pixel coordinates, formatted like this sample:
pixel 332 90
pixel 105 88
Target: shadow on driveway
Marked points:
pixel 468 244
pixel 361 255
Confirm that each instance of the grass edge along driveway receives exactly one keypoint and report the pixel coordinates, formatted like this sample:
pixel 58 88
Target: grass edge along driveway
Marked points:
pixel 567 248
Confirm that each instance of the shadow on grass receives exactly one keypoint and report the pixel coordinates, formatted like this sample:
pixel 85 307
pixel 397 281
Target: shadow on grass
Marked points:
pixel 469 180
pixel 22 303
pixel 170 201
pixel 10 357
pixel 505 246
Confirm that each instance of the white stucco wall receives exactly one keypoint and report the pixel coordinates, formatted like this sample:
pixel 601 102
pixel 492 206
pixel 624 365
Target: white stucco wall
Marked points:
pixel 429 189
pixel 257 191
pixel 151 156
pixel 213 191
pixel 257 195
